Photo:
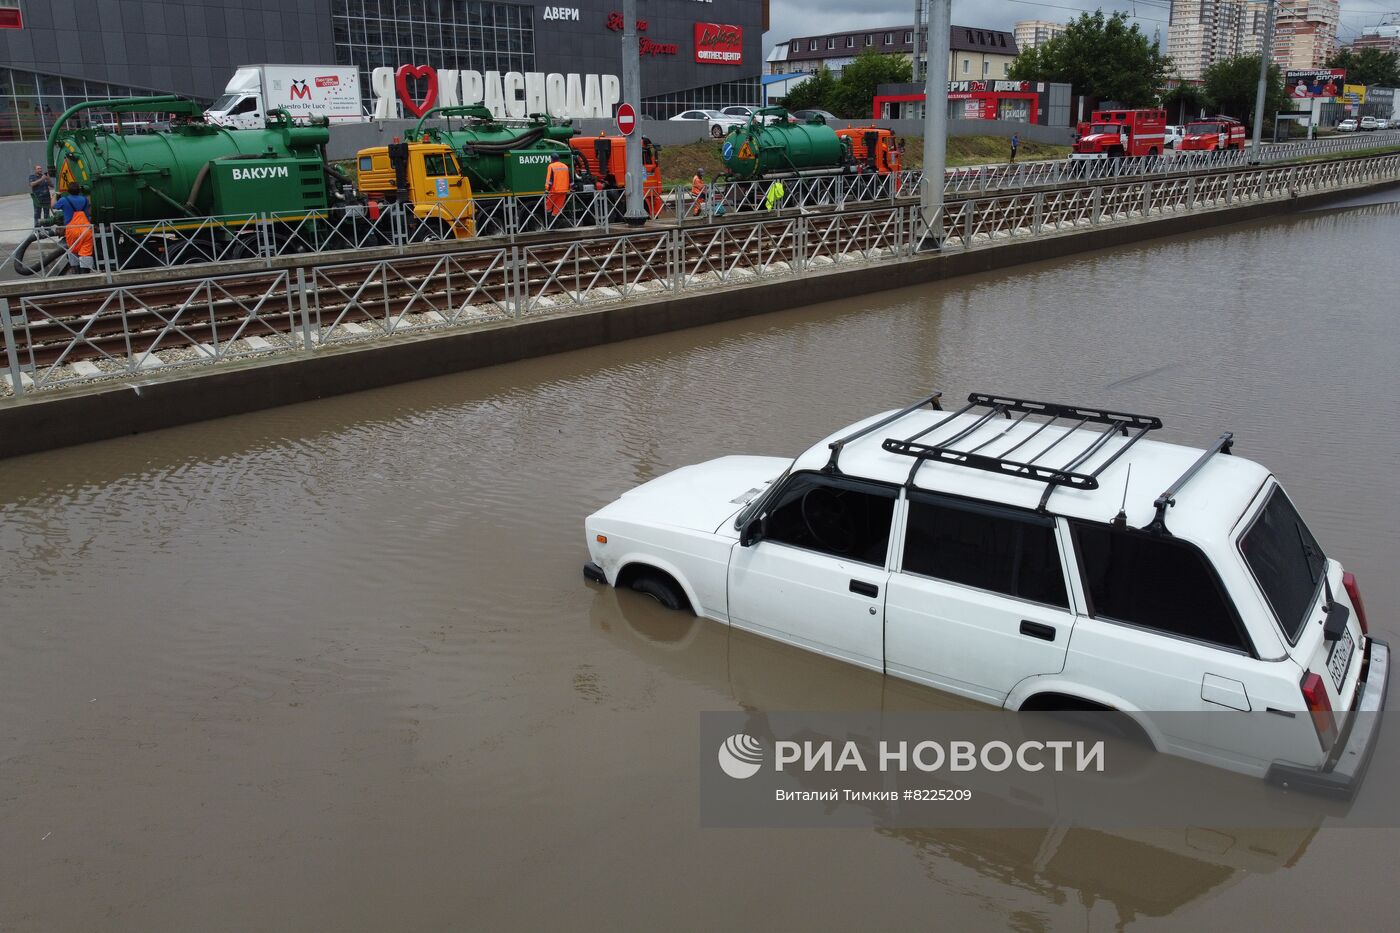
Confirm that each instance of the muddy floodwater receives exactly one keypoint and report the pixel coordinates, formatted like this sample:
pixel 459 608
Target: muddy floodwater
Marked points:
pixel 334 666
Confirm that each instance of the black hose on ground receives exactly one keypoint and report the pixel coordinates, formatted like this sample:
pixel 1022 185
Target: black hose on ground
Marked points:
pixel 23 268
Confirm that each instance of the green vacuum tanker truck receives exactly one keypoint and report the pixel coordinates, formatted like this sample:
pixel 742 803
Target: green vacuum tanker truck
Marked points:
pixel 773 144
pixel 199 192
pixel 498 157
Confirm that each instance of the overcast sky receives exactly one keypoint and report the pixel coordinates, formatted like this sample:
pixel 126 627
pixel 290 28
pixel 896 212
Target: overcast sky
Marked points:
pixel 813 17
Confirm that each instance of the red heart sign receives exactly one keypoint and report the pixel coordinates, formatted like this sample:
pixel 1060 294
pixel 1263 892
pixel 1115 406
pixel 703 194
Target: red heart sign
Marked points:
pixel 401 82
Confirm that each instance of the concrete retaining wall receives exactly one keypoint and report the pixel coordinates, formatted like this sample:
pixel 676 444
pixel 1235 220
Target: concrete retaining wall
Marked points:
pixel 17 160
pixel 37 423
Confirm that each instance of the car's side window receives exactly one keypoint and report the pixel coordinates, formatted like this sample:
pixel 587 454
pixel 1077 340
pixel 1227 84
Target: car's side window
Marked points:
pixel 1156 582
pixel 841 517
pixel 991 548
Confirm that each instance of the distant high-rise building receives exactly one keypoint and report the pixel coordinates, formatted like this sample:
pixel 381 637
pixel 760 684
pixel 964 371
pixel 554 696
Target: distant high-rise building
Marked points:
pixel 1033 33
pixel 1305 33
pixel 1385 37
pixel 1251 30
pixel 1201 33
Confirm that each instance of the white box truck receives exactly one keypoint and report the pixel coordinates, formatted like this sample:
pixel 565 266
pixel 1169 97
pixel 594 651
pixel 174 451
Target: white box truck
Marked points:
pixel 304 91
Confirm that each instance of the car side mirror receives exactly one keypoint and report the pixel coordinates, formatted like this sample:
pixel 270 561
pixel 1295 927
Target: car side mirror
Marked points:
pixel 754 531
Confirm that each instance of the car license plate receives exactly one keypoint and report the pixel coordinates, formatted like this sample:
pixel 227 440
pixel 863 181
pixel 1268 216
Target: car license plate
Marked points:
pixel 1340 659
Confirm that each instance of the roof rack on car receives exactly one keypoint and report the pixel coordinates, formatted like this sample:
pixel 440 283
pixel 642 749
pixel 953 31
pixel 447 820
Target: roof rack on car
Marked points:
pixel 1158 525
pixel 837 446
pixel 922 448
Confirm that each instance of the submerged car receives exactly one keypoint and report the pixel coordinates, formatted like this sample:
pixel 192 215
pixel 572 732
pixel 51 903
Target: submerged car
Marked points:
pixel 1033 556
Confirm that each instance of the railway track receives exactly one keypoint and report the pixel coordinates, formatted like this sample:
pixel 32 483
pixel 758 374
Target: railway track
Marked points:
pixel 960 185
pixel 93 328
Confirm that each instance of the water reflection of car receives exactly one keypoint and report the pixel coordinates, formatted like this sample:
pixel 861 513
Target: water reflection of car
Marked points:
pixel 1141 872
pixel 957 551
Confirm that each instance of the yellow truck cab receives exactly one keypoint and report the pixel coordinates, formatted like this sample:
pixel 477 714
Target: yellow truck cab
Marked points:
pixel 425 175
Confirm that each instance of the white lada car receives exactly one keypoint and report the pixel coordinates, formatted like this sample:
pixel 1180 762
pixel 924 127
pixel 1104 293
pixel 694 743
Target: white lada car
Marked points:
pixel 1025 554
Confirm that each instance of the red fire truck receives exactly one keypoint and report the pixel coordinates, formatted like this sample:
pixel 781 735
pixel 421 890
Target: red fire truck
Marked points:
pixel 1212 134
pixel 1113 134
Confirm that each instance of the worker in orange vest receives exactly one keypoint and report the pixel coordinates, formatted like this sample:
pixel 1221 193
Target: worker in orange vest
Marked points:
pixel 556 185
pixel 77 227
pixel 697 190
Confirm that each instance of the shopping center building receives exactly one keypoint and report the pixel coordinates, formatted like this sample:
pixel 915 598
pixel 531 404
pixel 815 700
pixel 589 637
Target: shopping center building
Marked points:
pixel 55 53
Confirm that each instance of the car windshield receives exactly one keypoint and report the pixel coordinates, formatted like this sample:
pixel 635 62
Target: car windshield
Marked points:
pixel 1286 560
pixel 748 511
pixel 1105 128
pixel 225 102
pixel 1201 129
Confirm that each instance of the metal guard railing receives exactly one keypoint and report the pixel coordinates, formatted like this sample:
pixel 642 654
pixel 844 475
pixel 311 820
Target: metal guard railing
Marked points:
pixel 79 336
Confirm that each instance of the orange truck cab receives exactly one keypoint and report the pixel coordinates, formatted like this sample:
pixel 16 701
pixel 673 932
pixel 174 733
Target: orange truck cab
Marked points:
pixel 1115 134
pixel 1212 134
pixel 425 175
pixel 873 149
pixel 600 162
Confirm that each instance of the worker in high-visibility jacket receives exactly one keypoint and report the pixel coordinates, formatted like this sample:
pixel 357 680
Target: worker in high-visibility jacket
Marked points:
pixel 697 190
pixel 556 185
pixel 774 196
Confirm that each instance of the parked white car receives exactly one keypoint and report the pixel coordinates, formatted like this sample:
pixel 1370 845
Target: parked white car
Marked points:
pixel 719 122
pixel 1347 126
pixel 1174 135
pixel 1370 124
pixel 1018 553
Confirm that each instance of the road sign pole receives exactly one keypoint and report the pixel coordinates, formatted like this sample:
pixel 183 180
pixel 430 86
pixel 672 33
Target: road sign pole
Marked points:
pixel 935 123
pixel 1265 53
pixel 632 94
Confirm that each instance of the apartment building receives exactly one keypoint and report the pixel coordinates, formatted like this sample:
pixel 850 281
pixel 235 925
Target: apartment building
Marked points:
pixel 1305 33
pixel 1033 33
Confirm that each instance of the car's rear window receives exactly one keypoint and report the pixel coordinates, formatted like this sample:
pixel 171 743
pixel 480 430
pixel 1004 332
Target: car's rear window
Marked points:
pixel 1286 560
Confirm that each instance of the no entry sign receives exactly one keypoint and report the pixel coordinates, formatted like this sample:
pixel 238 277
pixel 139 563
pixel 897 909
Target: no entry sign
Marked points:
pixel 626 119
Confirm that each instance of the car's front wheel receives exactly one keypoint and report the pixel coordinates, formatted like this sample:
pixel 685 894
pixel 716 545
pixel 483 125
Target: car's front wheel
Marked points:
pixel 716 131
pixel 660 588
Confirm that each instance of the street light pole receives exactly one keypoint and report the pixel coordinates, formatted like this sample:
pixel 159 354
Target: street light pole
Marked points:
pixel 935 123
pixel 1265 52
pixel 632 94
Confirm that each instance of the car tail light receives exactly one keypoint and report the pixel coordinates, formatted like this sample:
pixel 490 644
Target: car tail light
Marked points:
pixel 1315 696
pixel 1349 581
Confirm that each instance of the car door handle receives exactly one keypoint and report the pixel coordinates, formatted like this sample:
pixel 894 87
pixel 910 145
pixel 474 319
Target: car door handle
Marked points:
pixel 865 589
pixel 1037 630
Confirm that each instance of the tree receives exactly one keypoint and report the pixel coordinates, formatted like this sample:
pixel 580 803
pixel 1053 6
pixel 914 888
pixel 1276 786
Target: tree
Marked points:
pixel 1102 56
pixel 855 89
pixel 814 93
pixel 1232 84
pixel 1183 100
pixel 1368 66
